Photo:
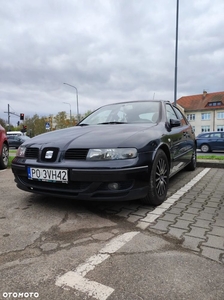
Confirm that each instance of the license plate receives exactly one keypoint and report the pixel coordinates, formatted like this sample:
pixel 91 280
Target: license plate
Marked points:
pixel 49 175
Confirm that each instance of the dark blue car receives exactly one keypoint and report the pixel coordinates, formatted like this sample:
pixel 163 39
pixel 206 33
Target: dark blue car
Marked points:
pixel 122 151
pixel 210 141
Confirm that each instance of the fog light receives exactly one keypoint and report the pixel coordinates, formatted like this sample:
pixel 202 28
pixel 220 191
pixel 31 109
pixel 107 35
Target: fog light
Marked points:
pixel 113 186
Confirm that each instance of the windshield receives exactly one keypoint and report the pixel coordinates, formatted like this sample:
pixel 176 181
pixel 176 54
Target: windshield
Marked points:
pixel 120 113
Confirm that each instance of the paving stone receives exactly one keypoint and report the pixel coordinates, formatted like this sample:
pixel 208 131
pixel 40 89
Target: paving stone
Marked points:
pixel 175 210
pixel 213 204
pixel 215 199
pixel 220 215
pixel 168 217
pixel 186 216
pixel 217 231
pixel 214 242
pixel 203 223
pixel 124 213
pixel 220 223
pixel 193 210
pixel 142 212
pixel 187 199
pixel 133 218
pixel 195 204
pixel 161 225
pixel 205 216
pixel 197 231
pixel 142 225
pixel 176 232
pixel 192 243
pixel 221 210
pixel 150 218
pixel 214 254
pixel 183 224
pixel 180 204
pixel 199 199
pixel 209 210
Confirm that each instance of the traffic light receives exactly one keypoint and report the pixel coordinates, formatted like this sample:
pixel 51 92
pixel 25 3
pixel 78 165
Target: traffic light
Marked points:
pixel 21 116
pixel 24 129
pixel 18 123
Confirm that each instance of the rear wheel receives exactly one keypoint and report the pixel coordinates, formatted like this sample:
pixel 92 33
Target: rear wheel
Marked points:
pixel 205 148
pixel 4 157
pixel 192 165
pixel 158 180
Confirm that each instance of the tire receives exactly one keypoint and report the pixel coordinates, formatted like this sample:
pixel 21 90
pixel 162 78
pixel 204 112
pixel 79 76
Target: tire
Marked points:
pixel 4 157
pixel 158 180
pixel 205 148
pixel 193 164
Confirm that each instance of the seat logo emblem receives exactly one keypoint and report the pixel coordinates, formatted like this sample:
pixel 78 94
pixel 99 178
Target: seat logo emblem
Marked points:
pixel 49 154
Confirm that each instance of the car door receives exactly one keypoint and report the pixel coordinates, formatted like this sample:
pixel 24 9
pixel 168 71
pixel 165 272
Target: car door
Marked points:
pixel 189 136
pixel 217 141
pixel 178 135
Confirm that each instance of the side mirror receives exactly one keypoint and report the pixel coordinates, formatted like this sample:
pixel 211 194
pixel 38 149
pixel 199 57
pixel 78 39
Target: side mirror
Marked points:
pixel 174 123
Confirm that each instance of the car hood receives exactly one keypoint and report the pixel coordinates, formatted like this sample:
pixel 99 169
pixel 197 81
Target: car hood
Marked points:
pixel 96 136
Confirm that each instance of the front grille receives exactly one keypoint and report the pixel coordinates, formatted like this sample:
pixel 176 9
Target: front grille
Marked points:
pixel 54 153
pixel 79 154
pixel 31 153
pixel 72 154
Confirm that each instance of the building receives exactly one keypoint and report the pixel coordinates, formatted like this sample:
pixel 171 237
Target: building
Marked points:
pixel 205 111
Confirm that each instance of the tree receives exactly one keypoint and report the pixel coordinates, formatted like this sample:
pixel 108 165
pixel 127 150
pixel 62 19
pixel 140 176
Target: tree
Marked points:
pixel 87 113
pixel 3 123
pixel 61 120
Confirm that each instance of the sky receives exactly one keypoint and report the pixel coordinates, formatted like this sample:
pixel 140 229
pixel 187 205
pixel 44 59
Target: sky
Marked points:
pixel 108 51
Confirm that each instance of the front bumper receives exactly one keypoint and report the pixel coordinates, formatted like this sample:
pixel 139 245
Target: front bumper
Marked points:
pixel 90 184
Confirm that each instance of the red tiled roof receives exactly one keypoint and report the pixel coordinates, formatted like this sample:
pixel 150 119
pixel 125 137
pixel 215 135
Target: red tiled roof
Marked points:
pixel 200 102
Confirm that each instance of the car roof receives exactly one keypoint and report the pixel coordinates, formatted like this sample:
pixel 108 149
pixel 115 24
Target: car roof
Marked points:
pixel 209 132
pixel 136 101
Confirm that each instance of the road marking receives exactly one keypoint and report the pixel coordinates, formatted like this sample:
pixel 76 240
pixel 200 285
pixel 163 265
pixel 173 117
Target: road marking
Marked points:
pixel 158 211
pixel 75 279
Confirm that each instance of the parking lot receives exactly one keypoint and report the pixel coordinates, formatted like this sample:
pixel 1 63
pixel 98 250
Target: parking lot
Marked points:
pixel 49 245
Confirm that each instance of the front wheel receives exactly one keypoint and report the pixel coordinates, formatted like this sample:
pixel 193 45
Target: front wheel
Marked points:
pixel 158 180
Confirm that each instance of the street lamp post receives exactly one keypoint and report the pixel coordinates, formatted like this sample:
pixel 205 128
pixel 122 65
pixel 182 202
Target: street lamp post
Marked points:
pixel 176 52
pixel 70 112
pixel 76 99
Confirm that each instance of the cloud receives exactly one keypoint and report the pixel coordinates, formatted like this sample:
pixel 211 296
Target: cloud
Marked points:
pixel 109 50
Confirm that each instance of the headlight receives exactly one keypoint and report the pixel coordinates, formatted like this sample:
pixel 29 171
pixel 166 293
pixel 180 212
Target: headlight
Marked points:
pixel 21 151
pixel 110 154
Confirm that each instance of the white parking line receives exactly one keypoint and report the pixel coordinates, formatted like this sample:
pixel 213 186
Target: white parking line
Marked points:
pixel 75 279
pixel 158 211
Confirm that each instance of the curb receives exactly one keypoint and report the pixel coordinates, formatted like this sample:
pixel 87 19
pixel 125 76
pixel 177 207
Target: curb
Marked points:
pixel 206 163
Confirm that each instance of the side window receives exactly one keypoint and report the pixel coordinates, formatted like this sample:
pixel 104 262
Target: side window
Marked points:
pixel 180 116
pixel 170 113
pixel 215 135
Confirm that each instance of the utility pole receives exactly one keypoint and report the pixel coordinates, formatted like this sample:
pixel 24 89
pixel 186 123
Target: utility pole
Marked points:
pixel 10 113
pixel 176 52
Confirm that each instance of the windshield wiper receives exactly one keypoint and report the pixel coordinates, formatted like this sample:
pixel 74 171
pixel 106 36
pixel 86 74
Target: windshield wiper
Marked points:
pixel 113 122
pixel 83 124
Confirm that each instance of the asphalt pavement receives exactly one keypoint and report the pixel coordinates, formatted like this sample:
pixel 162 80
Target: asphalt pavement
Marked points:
pixel 176 253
